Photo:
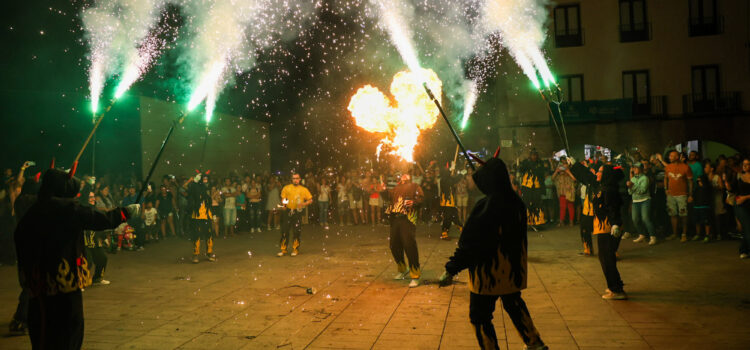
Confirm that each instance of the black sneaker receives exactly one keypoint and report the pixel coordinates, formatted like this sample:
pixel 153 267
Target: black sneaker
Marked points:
pixel 17 327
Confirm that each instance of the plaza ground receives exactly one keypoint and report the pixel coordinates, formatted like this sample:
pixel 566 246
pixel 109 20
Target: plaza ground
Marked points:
pixel 682 296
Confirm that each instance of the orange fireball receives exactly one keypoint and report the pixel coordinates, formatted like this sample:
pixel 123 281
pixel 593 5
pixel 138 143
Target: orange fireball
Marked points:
pixel 402 118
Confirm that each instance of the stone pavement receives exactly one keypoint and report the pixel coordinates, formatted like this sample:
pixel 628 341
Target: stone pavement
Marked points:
pixel 682 296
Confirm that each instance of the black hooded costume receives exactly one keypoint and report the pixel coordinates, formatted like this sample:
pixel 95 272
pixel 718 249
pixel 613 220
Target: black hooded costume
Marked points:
pixel 606 202
pixel 199 206
pixel 493 248
pixel 52 264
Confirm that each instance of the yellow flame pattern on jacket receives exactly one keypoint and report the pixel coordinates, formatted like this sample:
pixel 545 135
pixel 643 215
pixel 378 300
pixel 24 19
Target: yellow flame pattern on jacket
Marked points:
pixel 68 280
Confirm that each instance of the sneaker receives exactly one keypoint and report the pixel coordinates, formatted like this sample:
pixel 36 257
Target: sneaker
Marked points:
pixel 258 229
pixel 195 259
pixel 652 240
pixel 697 237
pixel 252 230
pixel 683 239
pixel 102 282
pixel 401 275
pixel 744 256
pixel 140 249
pixel 641 238
pixel 615 296
pixel 671 237
pixel 211 257
pixel 413 283
pixel 626 235
pixel 294 253
pixel 280 253
pixel 706 239
pixel 17 327
pixel 536 347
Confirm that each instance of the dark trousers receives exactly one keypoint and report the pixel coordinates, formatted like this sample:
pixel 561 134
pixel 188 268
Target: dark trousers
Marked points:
pixel 481 308
pixel 97 256
pixel 291 220
pixel 587 227
pixel 254 212
pixel 22 310
pixel 450 216
pixel 743 215
pixel 404 240
pixel 56 322
pixel 607 248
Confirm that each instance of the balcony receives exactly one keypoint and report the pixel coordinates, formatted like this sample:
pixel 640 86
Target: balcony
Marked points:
pixel 650 106
pixel 724 102
pixel 702 26
pixel 632 32
pixel 569 37
pixel 613 110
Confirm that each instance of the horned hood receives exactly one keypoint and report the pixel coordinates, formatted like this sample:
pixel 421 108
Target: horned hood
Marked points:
pixel 57 183
pixel 493 178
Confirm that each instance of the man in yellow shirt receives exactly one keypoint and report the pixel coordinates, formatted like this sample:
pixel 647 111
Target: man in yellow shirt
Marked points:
pixel 294 197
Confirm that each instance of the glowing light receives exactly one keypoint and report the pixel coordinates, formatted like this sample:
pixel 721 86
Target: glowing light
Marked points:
pixel 469 100
pixel 521 27
pixel 402 119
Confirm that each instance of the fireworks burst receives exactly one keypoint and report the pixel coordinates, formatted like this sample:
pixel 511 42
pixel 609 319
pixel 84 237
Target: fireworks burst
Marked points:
pixel 401 120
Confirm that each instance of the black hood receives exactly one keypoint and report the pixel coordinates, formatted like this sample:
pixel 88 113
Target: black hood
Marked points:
pixel 611 176
pixel 492 178
pixel 57 183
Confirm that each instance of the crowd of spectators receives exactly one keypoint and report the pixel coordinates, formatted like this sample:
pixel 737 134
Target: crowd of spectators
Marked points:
pixel 680 196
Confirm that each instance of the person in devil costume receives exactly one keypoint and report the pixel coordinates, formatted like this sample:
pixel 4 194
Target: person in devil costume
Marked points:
pixel 493 248
pixel 403 221
pixel 52 263
pixel 199 206
pixel 606 202
pixel 447 193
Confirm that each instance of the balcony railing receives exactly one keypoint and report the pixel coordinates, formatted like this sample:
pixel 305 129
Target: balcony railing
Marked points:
pixel 569 37
pixel 724 102
pixel 654 106
pixel 700 26
pixel 632 32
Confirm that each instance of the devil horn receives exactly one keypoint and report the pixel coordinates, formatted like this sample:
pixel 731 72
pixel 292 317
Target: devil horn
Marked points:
pixel 73 169
pixel 52 163
pixel 497 153
pixel 481 162
pixel 37 176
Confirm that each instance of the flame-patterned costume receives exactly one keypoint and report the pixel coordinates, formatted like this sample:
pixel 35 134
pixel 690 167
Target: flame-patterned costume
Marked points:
pixel 532 172
pixel 493 247
pixel 52 263
pixel 605 201
pixel 403 220
pixel 199 199
pixel 447 194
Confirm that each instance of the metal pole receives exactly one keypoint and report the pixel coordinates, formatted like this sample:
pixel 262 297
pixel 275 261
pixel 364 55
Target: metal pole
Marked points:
pixel 442 113
pixel 158 155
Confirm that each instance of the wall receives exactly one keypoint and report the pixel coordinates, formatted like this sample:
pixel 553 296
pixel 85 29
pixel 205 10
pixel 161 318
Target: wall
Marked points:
pixel 234 143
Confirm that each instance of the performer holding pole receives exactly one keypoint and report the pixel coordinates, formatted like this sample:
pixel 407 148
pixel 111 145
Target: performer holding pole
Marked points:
pixel 493 247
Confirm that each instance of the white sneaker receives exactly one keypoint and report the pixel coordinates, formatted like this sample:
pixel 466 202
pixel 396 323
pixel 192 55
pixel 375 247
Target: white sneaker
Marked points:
pixel 401 275
pixel 744 256
pixel 252 230
pixel 413 283
pixel 259 230
pixel 652 240
pixel 294 253
pixel 280 254
pixel 102 282
pixel 641 238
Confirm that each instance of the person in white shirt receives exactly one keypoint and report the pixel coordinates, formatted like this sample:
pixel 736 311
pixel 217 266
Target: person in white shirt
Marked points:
pixel 228 193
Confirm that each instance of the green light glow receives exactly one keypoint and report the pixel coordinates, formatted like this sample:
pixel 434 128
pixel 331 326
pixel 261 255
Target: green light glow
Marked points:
pixel 94 107
pixel 536 84
pixel 120 90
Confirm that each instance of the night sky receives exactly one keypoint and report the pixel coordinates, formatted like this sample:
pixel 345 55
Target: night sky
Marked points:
pixel 301 85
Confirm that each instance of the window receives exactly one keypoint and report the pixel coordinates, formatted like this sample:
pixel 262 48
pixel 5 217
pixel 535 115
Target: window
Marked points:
pixel 705 87
pixel 703 18
pixel 633 24
pixel 636 86
pixel 572 86
pixel 568 26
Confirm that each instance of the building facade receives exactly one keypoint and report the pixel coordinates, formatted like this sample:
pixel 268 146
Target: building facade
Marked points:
pixel 637 73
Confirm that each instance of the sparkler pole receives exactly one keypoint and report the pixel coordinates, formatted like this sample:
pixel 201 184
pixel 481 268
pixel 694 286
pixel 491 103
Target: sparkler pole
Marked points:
pixel 178 120
pixel 442 113
pixel 91 134
pixel 564 140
